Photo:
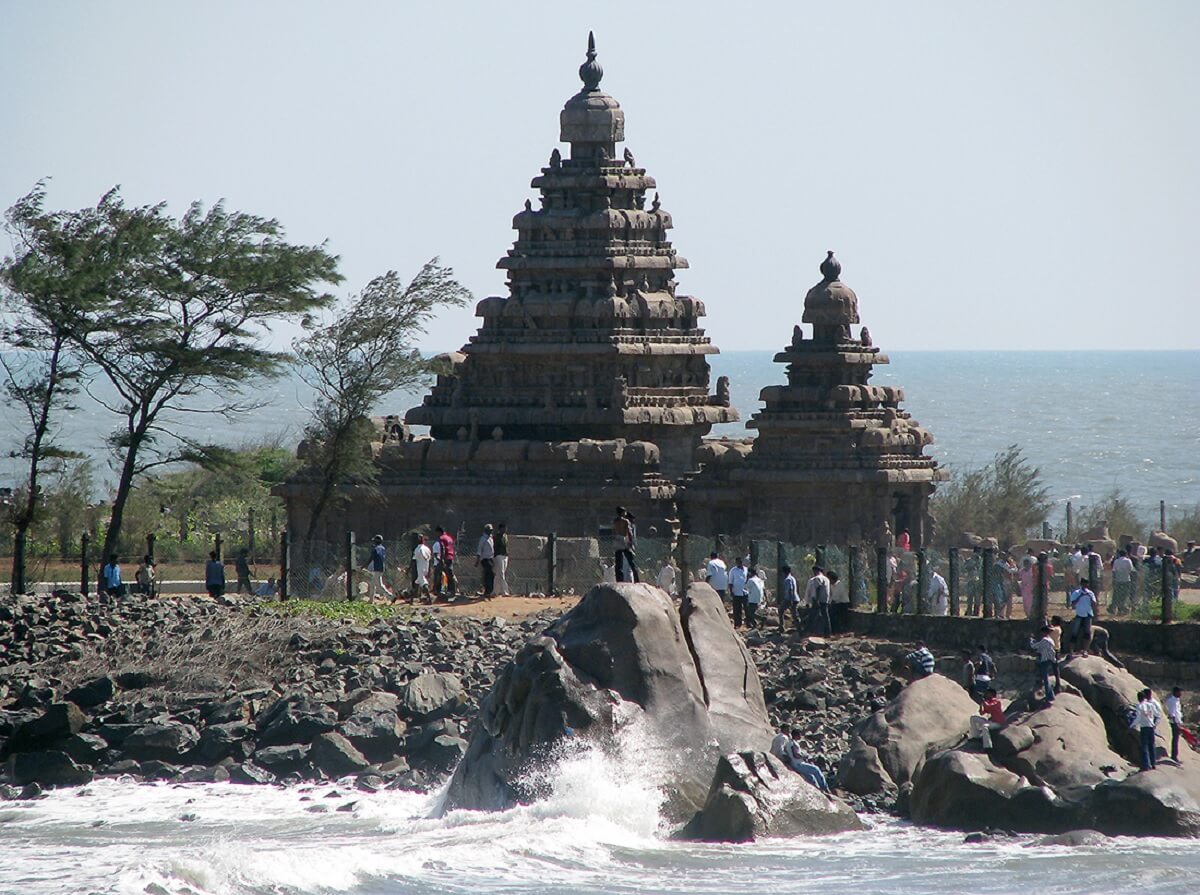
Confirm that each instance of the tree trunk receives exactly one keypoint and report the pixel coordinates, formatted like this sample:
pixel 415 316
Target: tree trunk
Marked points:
pixel 124 487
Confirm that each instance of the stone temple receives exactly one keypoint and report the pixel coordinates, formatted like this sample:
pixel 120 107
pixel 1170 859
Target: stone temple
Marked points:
pixel 588 386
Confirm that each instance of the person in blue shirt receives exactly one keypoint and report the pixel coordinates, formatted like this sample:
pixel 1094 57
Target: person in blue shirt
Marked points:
pixel 737 591
pixel 1083 601
pixel 376 564
pixel 110 577
pixel 214 575
pixel 788 600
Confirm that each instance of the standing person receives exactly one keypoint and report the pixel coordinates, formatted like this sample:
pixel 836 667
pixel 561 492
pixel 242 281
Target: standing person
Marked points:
pixel 1122 577
pixel 214 575
pixel 242 567
pixel 972 574
pixel 1046 660
pixel 447 581
pixel 376 564
pixel 1078 566
pixel 985 668
pixel 485 556
pixel 1083 601
pixel 816 595
pixel 1000 586
pixel 716 574
pixel 422 560
pixel 1148 715
pixel 920 662
pixel 500 545
pixel 737 591
pixel 145 575
pixel 1055 626
pixel 1175 717
pixel 110 577
pixel 756 595
pixel 1026 577
pixel 904 541
pixel 626 537
pixel 971 682
pixel 839 602
pixel 667 577
pixel 937 595
pixel 788 601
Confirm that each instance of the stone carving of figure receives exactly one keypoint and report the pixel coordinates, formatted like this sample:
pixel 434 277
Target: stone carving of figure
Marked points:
pixel 604 157
pixel 629 158
pixel 550 406
pixel 473 416
pixel 723 391
pixel 497 434
pixel 656 204
pixel 461 434
pixel 620 391
pixel 456 395
pixel 528 205
pixel 555 159
pixel 797 334
pixel 866 337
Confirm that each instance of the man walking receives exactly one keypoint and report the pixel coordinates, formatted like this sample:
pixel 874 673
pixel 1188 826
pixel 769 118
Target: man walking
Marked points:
pixel 1083 601
pixel 485 556
pixel 737 591
pixel 214 575
pixel 422 559
pixel 445 551
pixel 376 564
pixel 1047 658
pixel 626 537
pixel 717 575
pixel 937 595
pixel 816 595
pixel 756 594
pixel 1148 715
pixel 110 577
pixel 242 567
pixel 788 601
pixel 500 545
pixel 1175 717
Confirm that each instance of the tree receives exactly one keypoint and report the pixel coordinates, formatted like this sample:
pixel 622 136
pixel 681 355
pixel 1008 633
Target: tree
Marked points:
pixel 41 368
pixel 1004 499
pixel 174 315
pixel 1115 510
pixel 367 351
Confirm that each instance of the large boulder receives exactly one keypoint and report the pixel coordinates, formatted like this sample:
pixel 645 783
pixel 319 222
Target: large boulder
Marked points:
pixel 429 696
pixel 169 742
pixel 49 768
pixel 754 795
pixel 889 748
pixel 294 718
pixel 623 663
pixel 59 721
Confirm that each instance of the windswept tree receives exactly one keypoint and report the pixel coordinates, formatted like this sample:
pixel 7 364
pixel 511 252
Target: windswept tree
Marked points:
pixel 174 316
pixel 1005 499
pixel 366 352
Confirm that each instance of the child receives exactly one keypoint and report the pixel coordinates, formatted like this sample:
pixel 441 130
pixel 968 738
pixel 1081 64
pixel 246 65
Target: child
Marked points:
pixel 1047 657
pixel 990 717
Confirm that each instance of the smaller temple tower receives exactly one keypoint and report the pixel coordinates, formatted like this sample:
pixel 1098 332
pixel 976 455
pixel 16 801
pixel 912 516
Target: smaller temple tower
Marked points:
pixel 836 460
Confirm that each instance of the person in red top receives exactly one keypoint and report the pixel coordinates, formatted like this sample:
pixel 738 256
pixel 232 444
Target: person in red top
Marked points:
pixel 991 717
pixel 904 541
pixel 445 563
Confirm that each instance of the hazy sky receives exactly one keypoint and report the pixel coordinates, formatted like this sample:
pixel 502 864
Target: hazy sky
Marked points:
pixel 992 175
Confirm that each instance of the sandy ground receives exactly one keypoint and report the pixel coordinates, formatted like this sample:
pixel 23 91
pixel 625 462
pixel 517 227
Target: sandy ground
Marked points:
pixel 509 607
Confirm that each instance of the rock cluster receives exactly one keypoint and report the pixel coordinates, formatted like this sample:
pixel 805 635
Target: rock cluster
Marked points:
pixel 199 690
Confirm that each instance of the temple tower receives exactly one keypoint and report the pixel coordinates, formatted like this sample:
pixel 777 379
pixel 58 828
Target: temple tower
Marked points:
pixel 592 340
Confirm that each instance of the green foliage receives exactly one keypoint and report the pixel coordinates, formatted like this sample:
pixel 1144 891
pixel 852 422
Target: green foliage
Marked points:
pixel 1184 526
pixel 356 611
pixel 367 351
pixel 167 310
pixel 1005 499
pixel 1115 509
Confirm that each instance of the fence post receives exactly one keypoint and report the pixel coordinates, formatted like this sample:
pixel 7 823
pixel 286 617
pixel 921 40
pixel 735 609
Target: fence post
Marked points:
pixel 218 545
pixel 754 557
pixel 552 561
pixel 250 541
pixel 1041 594
pixel 780 562
pixel 922 581
pixel 18 579
pixel 1168 608
pixel 285 563
pixel 852 570
pixel 1070 521
pixel 986 574
pixel 1162 515
pixel 719 545
pixel 952 571
pixel 150 539
pixel 1095 574
pixel 83 564
pixel 881 582
pixel 349 566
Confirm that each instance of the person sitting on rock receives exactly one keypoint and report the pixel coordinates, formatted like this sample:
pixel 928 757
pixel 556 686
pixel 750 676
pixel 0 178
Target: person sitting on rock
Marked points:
pixel 919 662
pixel 781 743
pixel 807 770
pixel 974 686
pixel 990 717
pixel 1101 639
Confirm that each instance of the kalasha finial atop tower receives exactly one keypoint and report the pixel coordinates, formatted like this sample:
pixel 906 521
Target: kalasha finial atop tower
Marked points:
pixel 831 267
pixel 591 72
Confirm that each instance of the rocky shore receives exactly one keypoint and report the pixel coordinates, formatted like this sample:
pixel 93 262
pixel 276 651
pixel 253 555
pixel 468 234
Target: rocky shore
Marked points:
pixel 193 689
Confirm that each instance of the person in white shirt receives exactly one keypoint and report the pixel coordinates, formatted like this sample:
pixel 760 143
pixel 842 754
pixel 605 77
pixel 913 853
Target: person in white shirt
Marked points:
pixel 1175 717
pixel 1083 601
pixel 1122 576
pixel 486 556
pixel 716 574
pixel 817 596
pixel 1047 656
pixel 781 744
pixel 938 594
pixel 667 578
pixel 839 602
pixel 422 559
pixel 737 591
pixel 1148 716
pixel 756 595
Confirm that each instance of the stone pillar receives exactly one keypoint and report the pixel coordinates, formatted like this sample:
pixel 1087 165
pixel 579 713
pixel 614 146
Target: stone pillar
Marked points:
pixel 1041 591
pixel 285 563
pixel 988 571
pixel 881 582
pixel 922 581
pixel 853 571
pixel 1168 577
pixel 349 566
pixel 952 559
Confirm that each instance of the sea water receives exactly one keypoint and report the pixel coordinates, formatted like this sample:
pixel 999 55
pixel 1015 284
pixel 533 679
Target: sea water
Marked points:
pixel 598 831
pixel 1091 421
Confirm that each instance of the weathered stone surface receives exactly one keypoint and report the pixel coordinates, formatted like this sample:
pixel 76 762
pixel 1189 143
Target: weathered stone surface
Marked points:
pixel 57 722
pixel 165 742
pixel 430 696
pixel 281 760
pixel 620 658
pixel 49 769
pixel 295 718
pixel 753 795
pixel 93 693
pixel 335 756
pixel 929 713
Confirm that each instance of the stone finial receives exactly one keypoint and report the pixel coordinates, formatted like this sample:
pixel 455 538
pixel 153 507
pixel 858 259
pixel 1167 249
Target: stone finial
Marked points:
pixel 797 334
pixel 866 337
pixel 831 267
pixel 723 396
pixel 591 72
pixel 528 205
pixel 555 159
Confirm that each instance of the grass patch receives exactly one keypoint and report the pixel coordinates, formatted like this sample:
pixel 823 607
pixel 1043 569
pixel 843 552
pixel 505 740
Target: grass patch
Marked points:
pixel 339 610
pixel 1152 611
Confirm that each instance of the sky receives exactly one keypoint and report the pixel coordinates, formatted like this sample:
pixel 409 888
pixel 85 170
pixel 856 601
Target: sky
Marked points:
pixel 992 175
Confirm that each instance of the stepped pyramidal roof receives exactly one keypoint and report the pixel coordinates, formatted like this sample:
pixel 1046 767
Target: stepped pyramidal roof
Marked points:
pixel 593 339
